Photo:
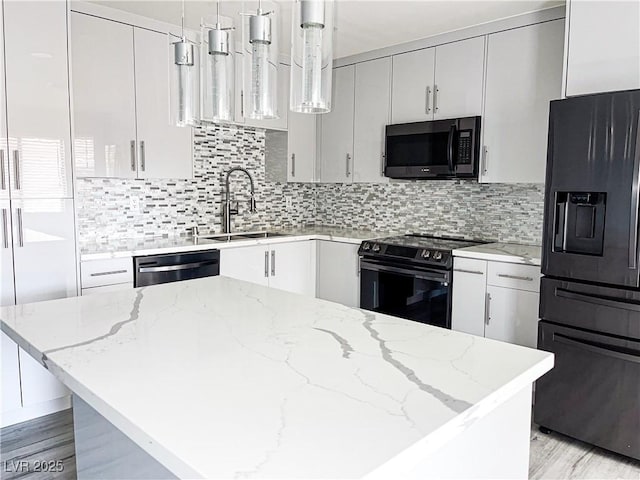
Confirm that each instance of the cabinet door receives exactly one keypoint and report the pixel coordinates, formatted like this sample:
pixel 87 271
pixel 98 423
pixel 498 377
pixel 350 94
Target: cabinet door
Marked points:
pixel 37 102
pixel 458 79
pixel 301 163
pixel 512 316
pixel 250 264
pixel 10 374
pixel 412 86
pixel 44 250
pixel 5 179
pixel 524 73
pixel 283 103
pixel 292 267
pixel 339 273
pixel 372 105
pixel 603 52
pixel 336 148
pixel 38 385
pixel 103 97
pixel 164 150
pixel 469 295
pixel 7 291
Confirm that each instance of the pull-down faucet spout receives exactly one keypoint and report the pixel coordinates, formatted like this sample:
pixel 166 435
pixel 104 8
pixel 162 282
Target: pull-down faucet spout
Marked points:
pixel 227 211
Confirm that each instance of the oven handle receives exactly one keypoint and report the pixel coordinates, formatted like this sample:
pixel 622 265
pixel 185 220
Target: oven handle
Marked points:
pixel 602 350
pixel 438 277
pixel 173 268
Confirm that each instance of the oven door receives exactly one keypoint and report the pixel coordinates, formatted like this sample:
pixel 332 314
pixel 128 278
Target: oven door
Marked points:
pixel 414 293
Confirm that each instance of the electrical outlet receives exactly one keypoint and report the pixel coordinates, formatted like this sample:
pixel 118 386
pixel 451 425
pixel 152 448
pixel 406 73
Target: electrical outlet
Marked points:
pixel 134 204
pixel 288 203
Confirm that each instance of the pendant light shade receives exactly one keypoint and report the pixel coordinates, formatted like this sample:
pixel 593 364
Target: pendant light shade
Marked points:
pixel 184 80
pixel 311 56
pixel 260 63
pixel 218 69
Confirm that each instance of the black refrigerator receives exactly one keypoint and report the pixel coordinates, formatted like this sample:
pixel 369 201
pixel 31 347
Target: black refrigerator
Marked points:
pixel 590 291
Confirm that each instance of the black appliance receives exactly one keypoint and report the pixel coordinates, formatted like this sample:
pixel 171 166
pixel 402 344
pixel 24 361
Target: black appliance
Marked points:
pixel 438 149
pixel 174 267
pixel 409 277
pixel 590 292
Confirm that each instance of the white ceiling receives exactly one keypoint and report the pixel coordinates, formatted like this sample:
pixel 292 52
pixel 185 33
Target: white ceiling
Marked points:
pixel 362 25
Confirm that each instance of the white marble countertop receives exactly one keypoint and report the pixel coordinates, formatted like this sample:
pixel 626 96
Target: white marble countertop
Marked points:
pixel 128 247
pixel 503 252
pixel 218 378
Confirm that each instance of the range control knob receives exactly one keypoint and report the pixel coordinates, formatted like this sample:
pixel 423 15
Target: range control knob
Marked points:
pixel 366 246
pixel 437 255
pixel 376 247
pixel 426 253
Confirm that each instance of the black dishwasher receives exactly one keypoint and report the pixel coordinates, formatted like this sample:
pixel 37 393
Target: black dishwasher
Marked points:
pixel 174 267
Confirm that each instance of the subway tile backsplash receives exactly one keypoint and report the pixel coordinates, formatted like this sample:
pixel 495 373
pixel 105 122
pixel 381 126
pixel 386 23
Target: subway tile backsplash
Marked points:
pixel 123 208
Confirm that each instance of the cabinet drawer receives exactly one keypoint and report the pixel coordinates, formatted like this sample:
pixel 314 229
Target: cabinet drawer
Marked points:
pixel 512 275
pixel 98 273
pixel 107 289
pixel 469 266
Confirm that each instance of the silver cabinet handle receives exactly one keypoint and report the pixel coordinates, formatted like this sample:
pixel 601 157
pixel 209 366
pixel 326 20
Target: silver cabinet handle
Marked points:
pixel 101 274
pixel 16 168
pixel 293 164
pixel 487 309
pixel 273 263
pixel 3 173
pixel 348 164
pixel 143 163
pixel 516 277
pixel 133 155
pixel 485 151
pixel 266 263
pixel 242 103
pixel 436 90
pixel 462 270
pixel 382 158
pixel 5 229
pixel 20 229
pixel 428 95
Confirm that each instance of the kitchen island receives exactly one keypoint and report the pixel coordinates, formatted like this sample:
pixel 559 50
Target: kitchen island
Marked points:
pixel 219 378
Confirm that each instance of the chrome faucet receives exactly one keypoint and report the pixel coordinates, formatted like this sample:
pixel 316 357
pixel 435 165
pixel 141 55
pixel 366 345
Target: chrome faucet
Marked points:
pixel 227 210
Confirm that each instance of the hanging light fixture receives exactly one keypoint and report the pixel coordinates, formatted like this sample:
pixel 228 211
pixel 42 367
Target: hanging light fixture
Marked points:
pixel 184 81
pixel 311 56
pixel 260 64
pixel 218 69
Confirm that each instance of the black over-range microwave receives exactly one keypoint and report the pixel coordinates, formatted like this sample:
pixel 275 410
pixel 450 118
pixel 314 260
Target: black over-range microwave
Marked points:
pixel 436 149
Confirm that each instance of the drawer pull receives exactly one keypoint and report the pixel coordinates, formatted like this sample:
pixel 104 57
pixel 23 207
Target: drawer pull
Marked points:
pixel 462 270
pixel 101 274
pixel 516 277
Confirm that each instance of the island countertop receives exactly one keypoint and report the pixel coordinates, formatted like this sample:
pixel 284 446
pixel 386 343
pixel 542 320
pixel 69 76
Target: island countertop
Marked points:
pixel 218 378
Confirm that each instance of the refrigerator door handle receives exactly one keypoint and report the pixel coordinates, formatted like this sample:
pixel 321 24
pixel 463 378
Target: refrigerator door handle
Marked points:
pixel 596 348
pixel 596 300
pixel 635 200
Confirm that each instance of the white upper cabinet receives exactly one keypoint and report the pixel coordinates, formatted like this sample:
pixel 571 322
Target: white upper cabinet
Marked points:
pixel 120 77
pixel 524 73
pixel 412 86
pixel 168 148
pixel 37 103
pixel 336 130
pixel 5 180
pixel 372 115
pixel 301 163
pixel 103 97
pixel 603 46
pixel 458 79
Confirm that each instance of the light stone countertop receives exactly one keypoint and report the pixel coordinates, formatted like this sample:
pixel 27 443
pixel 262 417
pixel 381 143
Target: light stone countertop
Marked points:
pixel 128 247
pixel 503 252
pixel 219 378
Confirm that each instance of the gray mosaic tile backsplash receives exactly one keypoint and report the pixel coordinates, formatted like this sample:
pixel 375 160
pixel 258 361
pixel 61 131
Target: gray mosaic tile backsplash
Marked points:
pixel 122 208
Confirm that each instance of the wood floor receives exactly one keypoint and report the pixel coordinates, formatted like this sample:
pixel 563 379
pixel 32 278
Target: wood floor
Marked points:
pixel 50 438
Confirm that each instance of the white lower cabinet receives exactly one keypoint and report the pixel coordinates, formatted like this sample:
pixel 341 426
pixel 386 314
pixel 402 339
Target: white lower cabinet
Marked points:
pixel 10 375
pixel 38 385
pixel 287 266
pixel 496 300
pixel 339 273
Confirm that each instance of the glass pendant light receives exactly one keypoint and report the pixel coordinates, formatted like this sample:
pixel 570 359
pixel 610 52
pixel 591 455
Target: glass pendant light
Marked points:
pixel 183 85
pixel 218 69
pixel 260 65
pixel 311 56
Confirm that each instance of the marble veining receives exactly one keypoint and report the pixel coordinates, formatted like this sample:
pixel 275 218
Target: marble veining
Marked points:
pixel 254 382
pixel 503 252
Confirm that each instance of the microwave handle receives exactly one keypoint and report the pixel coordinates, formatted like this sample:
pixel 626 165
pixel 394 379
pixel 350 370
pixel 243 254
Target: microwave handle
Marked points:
pixel 452 132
